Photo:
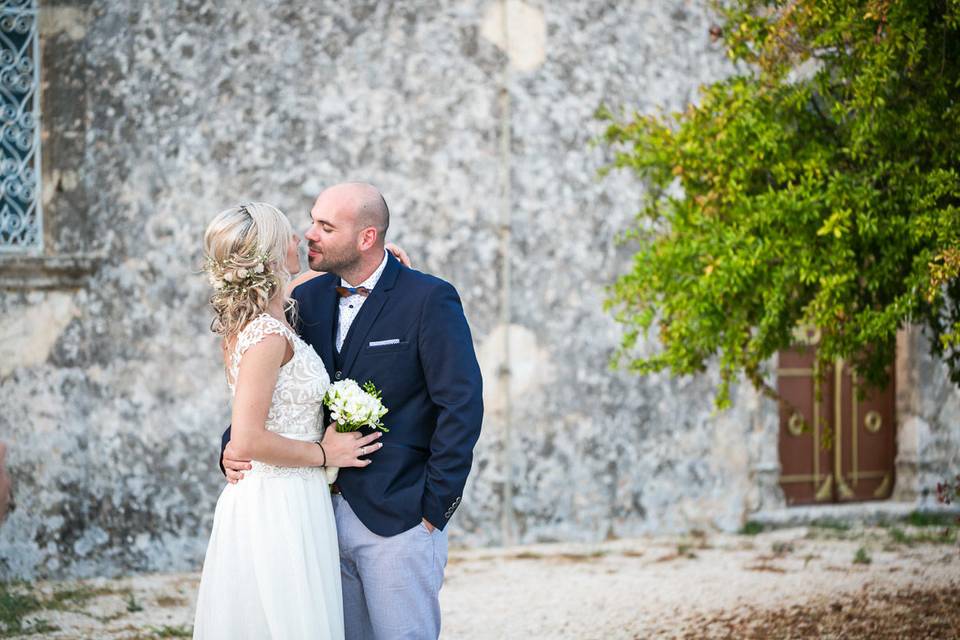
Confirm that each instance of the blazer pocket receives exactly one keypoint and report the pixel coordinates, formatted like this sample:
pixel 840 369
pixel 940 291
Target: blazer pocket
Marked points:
pixel 379 347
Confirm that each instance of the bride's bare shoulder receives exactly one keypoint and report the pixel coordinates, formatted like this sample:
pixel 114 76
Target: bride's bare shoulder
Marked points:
pixel 306 276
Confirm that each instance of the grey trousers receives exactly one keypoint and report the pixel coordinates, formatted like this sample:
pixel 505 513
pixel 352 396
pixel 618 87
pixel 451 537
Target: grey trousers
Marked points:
pixel 391 585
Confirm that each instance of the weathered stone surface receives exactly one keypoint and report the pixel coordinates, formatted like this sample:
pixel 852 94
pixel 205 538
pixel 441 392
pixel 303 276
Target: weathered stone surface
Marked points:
pixel 158 114
pixel 928 412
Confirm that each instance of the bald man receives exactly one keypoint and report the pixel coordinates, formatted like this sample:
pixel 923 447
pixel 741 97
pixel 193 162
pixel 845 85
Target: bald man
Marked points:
pixel 369 317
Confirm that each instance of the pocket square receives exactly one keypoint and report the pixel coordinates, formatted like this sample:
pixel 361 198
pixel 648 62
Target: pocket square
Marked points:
pixel 381 343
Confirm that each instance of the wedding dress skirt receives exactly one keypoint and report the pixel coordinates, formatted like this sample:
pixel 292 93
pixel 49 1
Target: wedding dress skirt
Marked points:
pixel 272 568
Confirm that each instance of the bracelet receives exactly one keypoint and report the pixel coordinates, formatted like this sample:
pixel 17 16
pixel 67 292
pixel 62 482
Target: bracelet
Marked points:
pixel 324 463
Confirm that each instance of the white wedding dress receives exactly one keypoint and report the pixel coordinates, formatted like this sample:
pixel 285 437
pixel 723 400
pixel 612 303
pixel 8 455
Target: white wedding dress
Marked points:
pixel 272 568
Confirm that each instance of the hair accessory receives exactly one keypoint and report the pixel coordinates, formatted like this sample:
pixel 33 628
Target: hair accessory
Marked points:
pixel 238 274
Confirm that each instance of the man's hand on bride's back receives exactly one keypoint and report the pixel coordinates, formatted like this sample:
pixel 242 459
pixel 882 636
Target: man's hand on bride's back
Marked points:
pixel 348 449
pixel 233 465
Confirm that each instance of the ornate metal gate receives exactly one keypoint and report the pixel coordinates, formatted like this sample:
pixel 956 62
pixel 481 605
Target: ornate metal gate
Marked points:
pixel 21 219
pixel 836 447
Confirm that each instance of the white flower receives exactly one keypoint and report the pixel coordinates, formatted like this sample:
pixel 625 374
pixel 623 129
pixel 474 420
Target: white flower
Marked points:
pixel 241 273
pixel 228 276
pixel 352 407
pixel 258 268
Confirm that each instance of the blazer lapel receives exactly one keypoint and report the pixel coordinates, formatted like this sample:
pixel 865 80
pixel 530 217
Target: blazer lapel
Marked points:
pixel 368 313
pixel 329 308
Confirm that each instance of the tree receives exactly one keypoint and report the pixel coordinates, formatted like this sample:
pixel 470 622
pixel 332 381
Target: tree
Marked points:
pixel 817 186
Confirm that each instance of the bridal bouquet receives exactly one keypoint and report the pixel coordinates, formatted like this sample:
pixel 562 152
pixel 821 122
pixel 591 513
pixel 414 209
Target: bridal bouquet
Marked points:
pixel 352 407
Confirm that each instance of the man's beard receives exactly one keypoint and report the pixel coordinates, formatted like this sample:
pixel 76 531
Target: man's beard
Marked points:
pixel 336 263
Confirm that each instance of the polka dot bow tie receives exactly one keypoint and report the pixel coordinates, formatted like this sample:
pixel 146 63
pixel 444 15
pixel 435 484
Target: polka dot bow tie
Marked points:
pixel 346 292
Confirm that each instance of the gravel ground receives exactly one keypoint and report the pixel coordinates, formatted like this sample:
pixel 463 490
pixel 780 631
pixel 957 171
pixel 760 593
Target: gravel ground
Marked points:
pixel 805 582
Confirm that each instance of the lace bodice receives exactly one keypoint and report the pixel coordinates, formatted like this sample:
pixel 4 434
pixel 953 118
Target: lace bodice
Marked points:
pixel 296 408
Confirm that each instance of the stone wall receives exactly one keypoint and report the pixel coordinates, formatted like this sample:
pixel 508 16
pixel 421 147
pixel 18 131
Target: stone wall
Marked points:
pixel 476 123
pixel 928 415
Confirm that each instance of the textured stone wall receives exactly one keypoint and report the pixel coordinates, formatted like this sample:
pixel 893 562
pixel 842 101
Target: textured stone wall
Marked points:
pixel 476 122
pixel 928 415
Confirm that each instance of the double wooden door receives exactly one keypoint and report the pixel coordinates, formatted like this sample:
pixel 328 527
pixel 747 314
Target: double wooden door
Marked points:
pixel 834 447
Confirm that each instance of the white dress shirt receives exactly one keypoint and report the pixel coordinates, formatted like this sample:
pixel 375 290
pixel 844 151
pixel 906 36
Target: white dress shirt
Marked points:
pixel 350 306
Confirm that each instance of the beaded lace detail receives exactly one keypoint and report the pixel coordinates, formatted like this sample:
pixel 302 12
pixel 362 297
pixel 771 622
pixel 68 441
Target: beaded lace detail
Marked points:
pixel 296 408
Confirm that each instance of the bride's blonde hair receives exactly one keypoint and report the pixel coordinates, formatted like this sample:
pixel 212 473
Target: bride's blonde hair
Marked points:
pixel 246 254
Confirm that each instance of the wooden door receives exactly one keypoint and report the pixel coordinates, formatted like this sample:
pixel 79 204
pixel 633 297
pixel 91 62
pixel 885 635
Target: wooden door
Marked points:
pixel 867 447
pixel 836 447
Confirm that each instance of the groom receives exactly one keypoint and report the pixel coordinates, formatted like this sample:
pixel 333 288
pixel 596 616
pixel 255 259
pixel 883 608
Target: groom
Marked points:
pixel 371 318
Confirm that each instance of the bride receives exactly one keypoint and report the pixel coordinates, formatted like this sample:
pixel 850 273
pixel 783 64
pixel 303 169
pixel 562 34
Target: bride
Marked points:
pixel 272 568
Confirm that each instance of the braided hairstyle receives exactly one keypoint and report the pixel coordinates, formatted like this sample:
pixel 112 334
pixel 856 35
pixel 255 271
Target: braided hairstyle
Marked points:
pixel 245 249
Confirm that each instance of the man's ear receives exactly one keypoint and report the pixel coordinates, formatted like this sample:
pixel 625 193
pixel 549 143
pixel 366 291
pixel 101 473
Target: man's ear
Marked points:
pixel 368 238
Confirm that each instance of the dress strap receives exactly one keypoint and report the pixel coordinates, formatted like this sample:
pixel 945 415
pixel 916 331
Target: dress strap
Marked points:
pixel 255 331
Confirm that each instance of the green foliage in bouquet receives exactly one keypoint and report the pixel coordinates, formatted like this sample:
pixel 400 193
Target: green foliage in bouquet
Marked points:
pixel 817 186
pixel 371 389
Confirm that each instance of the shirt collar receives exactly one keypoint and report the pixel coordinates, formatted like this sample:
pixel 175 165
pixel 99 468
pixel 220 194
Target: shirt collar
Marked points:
pixel 370 282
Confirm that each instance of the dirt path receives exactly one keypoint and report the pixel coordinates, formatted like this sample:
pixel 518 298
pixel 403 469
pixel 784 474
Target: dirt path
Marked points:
pixel 796 583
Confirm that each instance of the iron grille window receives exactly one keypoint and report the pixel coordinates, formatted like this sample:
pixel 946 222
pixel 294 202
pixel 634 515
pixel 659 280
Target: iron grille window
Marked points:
pixel 21 222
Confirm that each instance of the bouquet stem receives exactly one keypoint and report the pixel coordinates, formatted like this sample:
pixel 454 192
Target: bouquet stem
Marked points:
pixel 332 473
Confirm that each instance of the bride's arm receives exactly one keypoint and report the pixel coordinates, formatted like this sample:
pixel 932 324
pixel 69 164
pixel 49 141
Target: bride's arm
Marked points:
pixel 250 440
pixel 300 279
pixel 256 380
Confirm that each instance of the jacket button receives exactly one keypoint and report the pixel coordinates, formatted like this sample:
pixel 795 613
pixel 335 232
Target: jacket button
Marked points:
pixel 338 375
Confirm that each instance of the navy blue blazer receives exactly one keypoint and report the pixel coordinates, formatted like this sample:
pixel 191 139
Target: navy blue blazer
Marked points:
pixel 431 385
